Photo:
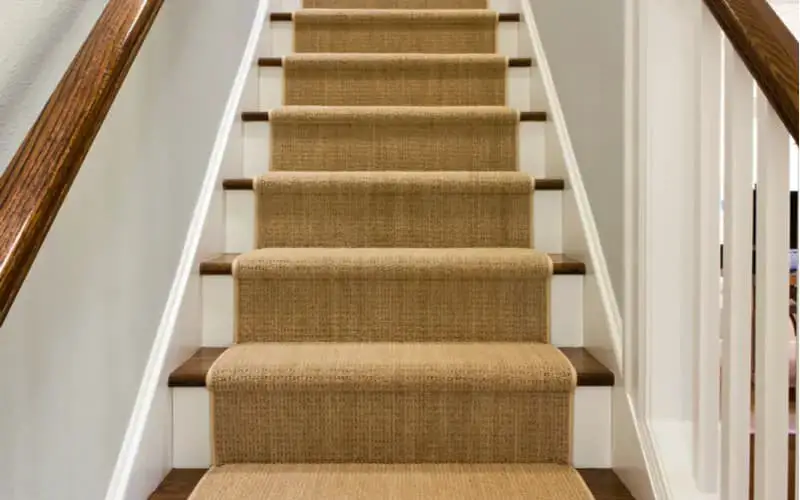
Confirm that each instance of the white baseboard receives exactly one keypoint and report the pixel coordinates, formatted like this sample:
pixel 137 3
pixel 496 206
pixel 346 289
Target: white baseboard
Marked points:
pixel 591 444
pixel 145 456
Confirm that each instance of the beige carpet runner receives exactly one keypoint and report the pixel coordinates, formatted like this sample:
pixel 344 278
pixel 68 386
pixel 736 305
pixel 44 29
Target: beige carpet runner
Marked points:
pixel 396 31
pixel 392 327
pixel 394 138
pixel 395 80
pixel 394 209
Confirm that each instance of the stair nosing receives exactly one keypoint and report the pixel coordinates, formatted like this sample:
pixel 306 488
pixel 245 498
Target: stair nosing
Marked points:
pixel 524 116
pixel 513 62
pixel 192 372
pixel 179 483
pixel 222 265
pixel 246 184
pixel 503 17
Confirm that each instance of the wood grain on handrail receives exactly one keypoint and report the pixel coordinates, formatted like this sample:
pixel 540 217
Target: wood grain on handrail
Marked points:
pixel 768 49
pixel 33 186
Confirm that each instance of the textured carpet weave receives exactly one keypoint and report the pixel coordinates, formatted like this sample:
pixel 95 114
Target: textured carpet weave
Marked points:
pixel 396 31
pixel 395 4
pixel 394 209
pixel 392 482
pixel 395 80
pixel 394 138
pixel 392 403
pixel 364 295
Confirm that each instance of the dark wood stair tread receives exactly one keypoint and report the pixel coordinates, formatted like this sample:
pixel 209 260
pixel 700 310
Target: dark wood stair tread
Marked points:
pixel 192 373
pixel 246 184
pixel 513 62
pixel 524 116
pixel 503 17
pixel 179 483
pixel 222 265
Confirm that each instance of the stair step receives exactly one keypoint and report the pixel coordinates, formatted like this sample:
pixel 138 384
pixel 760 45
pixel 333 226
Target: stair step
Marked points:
pixel 603 484
pixel 246 184
pixel 222 265
pixel 503 17
pixel 394 209
pixel 524 116
pixel 277 62
pixel 391 402
pixel 192 373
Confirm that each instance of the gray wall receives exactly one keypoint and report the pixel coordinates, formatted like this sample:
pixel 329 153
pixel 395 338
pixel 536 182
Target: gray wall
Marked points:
pixel 584 43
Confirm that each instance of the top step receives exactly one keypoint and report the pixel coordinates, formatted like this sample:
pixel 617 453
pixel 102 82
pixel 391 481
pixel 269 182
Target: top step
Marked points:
pixel 503 17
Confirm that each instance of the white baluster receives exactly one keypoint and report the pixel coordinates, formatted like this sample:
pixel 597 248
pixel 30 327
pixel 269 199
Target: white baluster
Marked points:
pixel 772 281
pixel 707 304
pixel 737 277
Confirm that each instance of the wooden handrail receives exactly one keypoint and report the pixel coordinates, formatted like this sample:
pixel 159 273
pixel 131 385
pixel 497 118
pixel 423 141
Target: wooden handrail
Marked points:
pixel 33 186
pixel 768 49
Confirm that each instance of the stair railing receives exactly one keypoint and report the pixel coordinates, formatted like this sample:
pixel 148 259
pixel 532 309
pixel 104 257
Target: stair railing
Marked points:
pixel 747 94
pixel 35 183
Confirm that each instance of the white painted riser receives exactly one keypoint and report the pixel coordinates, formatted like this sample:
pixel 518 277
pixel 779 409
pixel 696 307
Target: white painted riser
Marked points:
pixel 505 6
pixel 518 85
pixel 566 310
pixel 531 156
pixel 240 221
pixel 591 444
pixel 282 42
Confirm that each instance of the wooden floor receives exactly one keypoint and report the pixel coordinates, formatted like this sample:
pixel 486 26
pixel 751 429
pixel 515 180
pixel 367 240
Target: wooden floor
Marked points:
pixel 179 483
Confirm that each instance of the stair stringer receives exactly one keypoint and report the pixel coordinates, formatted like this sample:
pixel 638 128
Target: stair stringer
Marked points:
pixel 146 453
pixel 634 458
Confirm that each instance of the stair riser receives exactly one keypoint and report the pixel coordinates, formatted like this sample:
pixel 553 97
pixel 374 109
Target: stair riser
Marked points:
pixel 566 306
pixel 518 88
pixel 591 445
pixel 511 6
pixel 531 144
pixel 240 221
pixel 281 41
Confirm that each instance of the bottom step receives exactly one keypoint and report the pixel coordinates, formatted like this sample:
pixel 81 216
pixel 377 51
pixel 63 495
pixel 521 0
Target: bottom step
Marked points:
pixel 368 481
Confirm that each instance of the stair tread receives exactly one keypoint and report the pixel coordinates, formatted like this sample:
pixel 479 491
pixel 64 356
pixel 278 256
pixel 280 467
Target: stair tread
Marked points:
pixel 378 58
pixel 222 264
pixel 390 366
pixel 603 483
pixel 476 178
pixel 360 112
pixel 192 373
pixel 503 17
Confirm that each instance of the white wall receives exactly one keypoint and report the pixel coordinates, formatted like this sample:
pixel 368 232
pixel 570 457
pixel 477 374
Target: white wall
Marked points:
pixel 584 43
pixel 75 344
pixel 38 39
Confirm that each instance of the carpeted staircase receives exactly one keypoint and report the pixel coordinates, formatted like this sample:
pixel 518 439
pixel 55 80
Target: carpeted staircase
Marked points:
pixel 392 328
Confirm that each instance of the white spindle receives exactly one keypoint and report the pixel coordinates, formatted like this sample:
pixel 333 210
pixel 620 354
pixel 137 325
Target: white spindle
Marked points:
pixel 737 277
pixel 707 305
pixel 772 282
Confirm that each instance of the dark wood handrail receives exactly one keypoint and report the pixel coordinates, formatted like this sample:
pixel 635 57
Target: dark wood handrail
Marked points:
pixel 33 186
pixel 768 49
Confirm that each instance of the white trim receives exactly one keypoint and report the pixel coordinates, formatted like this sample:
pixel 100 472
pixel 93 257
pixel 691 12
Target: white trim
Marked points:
pixel 597 263
pixel 591 445
pixel 156 370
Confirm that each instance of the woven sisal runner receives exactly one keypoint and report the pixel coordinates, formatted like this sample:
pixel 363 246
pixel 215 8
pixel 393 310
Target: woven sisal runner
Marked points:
pixel 395 80
pixel 366 295
pixel 396 31
pixel 394 138
pixel 395 4
pixel 392 403
pixel 394 209
pixel 393 482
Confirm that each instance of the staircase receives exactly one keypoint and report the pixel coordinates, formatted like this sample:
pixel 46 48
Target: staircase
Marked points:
pixel 394 317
